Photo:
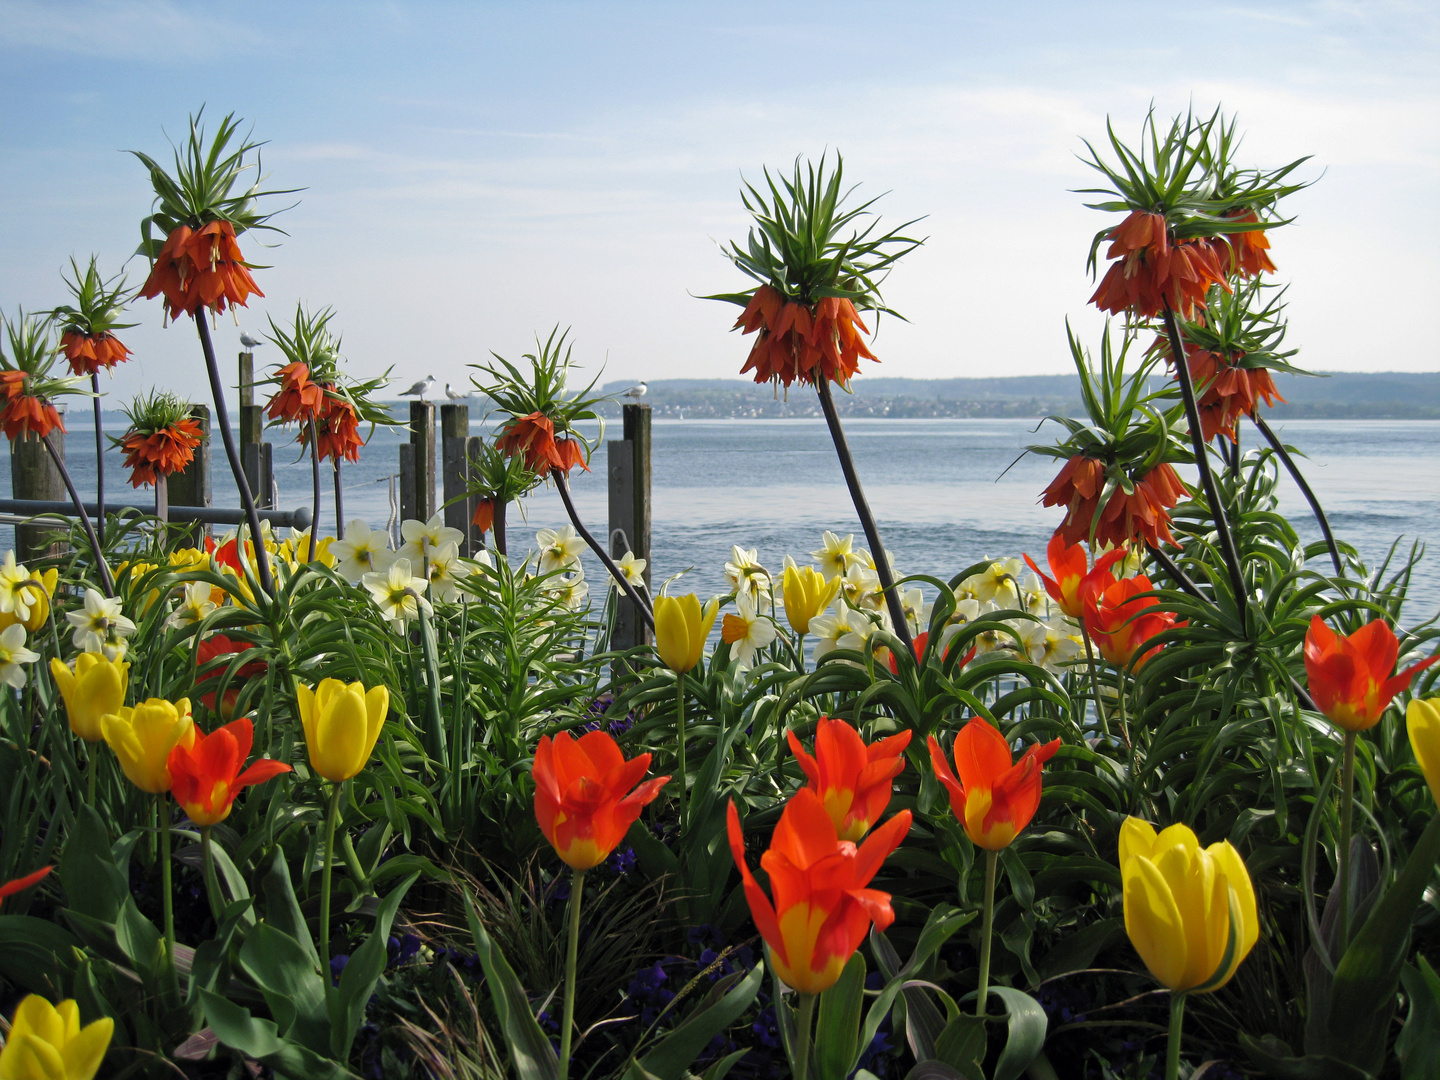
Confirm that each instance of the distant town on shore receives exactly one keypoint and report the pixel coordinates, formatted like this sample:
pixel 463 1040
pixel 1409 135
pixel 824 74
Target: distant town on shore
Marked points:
pixel 1334 395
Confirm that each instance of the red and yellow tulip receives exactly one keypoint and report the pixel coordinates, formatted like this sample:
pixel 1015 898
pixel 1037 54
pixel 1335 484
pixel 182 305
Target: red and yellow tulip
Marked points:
pixel 853 780
pixel 1350 677
pixel 584 800
pixel 206 776
pixel 822 905
pixel 993 797
pixel 1074 578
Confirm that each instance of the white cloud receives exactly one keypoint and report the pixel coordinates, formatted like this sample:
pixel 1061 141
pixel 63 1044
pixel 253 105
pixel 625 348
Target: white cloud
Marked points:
pixel 124 29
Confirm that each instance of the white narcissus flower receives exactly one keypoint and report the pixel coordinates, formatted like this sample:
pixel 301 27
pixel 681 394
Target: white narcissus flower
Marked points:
pixel 632 568
pixel 835 555
pixel 746 632
pixel 999 584
pixel 1051 645
pixel 744 573
pixel 917 611
pixel 559 548
pixel 12 654
pixel 445 570
pixel 845 629
pixel 363 551
pixel 421 539
pixel 99 626
pixel 15 596
pixel 195 604
pixel 571 589
pixel 861 588
pixel 397 592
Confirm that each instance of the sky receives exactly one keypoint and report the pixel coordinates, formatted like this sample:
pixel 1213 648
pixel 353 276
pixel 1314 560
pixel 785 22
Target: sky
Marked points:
pixel 475 174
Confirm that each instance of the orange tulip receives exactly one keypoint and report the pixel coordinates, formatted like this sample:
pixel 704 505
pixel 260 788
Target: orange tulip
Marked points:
pixel 200 267
pixel 205 776
pixel 1154 270
pixel 161 453
pixel 1074 579
pixel 1350 677
pixel 583 799
pixel 1120 622
pixel 89 353
pixel 852 780
pixel 994 799
pixel 1144 514
pixel 823 907
pixel 797 341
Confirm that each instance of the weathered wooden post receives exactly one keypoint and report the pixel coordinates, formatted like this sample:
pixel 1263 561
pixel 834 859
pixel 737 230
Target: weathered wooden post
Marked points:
pixel 34 476
pixel 421 469
pixel 256 455
pixel 628 469
pixel 455 475
pixel 191 485
pixel 474 538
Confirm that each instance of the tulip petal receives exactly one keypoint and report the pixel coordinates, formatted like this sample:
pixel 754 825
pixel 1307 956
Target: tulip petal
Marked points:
pixel 1152 921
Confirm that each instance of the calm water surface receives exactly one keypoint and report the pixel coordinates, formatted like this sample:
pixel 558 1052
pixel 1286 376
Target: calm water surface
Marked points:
pixel 935 486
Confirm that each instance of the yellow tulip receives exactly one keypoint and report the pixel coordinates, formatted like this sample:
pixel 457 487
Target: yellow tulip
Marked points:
pixel 807 594
pixel 681 627
pixel 143 737
pixel 92 689
pixel 39 597
pixel 47 1042
pixel 1177 904
pixel 342 724
pixel 1422 719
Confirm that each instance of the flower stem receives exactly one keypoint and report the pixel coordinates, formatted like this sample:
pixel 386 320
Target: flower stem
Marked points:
pixel 91 765
pixel 1294 470
pixel 680 738
pixel 986 932
pixel 212 883
pixel 572 956
pixel 315 476
pixel 1094 679
pixel 615 572
pixel 806 1021
pixel 99 459
pixel 862 510
pixel 106 581
pixel 242 483
pixel 1172 1050
pixel 339 500
pixel 1347 812
pixel 497 527
pixel 167 892
pixel 1202 462
pixel 332 813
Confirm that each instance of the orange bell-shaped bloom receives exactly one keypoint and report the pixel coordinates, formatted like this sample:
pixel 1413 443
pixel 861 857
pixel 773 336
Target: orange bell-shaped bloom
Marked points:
pixel 797 342
pixel 1249 251
pixel 1120 621
pixel 533 437
pixel 89 353
pixel 1074 579
pixel 298 400
pixel 823 906
pixel 484 516
pixel 205 776
pixel 583 796
pixel 161 453
pixel 1349 677
pixel 993 798
pixel 200 267
pixel 22 413
pixel 1144 514
pixel 1153 270
pixel 853 780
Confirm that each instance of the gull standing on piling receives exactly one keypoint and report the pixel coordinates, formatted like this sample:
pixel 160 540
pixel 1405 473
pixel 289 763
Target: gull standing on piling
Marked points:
pixel 421 388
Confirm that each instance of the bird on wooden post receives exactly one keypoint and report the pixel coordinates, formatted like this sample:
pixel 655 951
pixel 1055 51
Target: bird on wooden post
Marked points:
pixel 248 341
pixel 636 392
pixel 453 396
pixel 421 388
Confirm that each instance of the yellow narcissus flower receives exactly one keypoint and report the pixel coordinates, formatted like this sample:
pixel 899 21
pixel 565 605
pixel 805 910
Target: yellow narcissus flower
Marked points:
pixel 36 590
pixel 92 689
pixel 807 594
pixel 1177 905
pixel 681 627
pixel 342 724
pixel 1422 719
pixel 143 737
pixel 47 1042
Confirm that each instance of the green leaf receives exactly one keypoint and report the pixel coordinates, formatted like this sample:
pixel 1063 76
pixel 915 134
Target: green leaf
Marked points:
pixel 838 1030
pixel 357 981
pixel 721 1068
pixel 293 986
pixel 671 1059
pixel 93 883
pixel 1026 1024
pixel 282 910
pixel 1078 951
pixel 531 1055
pixel 236 1028
pixel 36 954
pixel 1418 1046
pixel 962 1045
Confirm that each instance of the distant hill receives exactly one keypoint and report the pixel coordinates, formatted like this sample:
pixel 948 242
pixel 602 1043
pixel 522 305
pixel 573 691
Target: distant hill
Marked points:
pixel 1354 395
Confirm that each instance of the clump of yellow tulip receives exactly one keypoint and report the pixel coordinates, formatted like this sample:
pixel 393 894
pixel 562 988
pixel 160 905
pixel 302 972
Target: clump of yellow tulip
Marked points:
pixel 143 737
pixel 807 594
pixel 93 688
pixel 48 1041
pixel 1422 720
pixel 342 724
pixel 681 627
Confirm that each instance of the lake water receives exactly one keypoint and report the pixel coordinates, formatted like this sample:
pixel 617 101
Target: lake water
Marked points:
pixel 935 487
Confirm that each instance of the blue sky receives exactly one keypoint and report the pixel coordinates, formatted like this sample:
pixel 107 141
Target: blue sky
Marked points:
pixel 477 173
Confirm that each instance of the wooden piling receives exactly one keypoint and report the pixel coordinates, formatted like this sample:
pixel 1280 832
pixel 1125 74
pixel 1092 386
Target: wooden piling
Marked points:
pixel 191 486
pixel 628 472
pixel 407 481
pixel 474 538
pixel 455 476
pixel 258 465
pixel 34 476
pixel 422 468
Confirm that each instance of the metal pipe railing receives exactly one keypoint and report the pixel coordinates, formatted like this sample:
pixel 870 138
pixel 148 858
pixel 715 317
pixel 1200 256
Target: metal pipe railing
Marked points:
pixel 28 509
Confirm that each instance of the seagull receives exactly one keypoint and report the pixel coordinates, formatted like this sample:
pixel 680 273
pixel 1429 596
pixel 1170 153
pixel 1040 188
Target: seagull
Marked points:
pixel 636 392
pixel 248 341
pixel 421 388
pixel 453 396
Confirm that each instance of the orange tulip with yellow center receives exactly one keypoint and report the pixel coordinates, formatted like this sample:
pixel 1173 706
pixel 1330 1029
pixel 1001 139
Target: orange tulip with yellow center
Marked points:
pixel 853 780
pixel 1074 578
pixel 583 796
pixel 822 906
pixel 206 776
pixel 993 797
pixel 1349 677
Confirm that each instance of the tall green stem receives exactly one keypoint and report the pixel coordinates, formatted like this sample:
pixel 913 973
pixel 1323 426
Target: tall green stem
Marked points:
pixel 572 961
pixel 986 934
pixel 332 814
pixel 167 889
pixel 99 461
pixel 1347 816
pixel 1172 1049
pixel 1094 680
pixel 91 765
pixel 680 738
pixel 315 477
pixel 802 1036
